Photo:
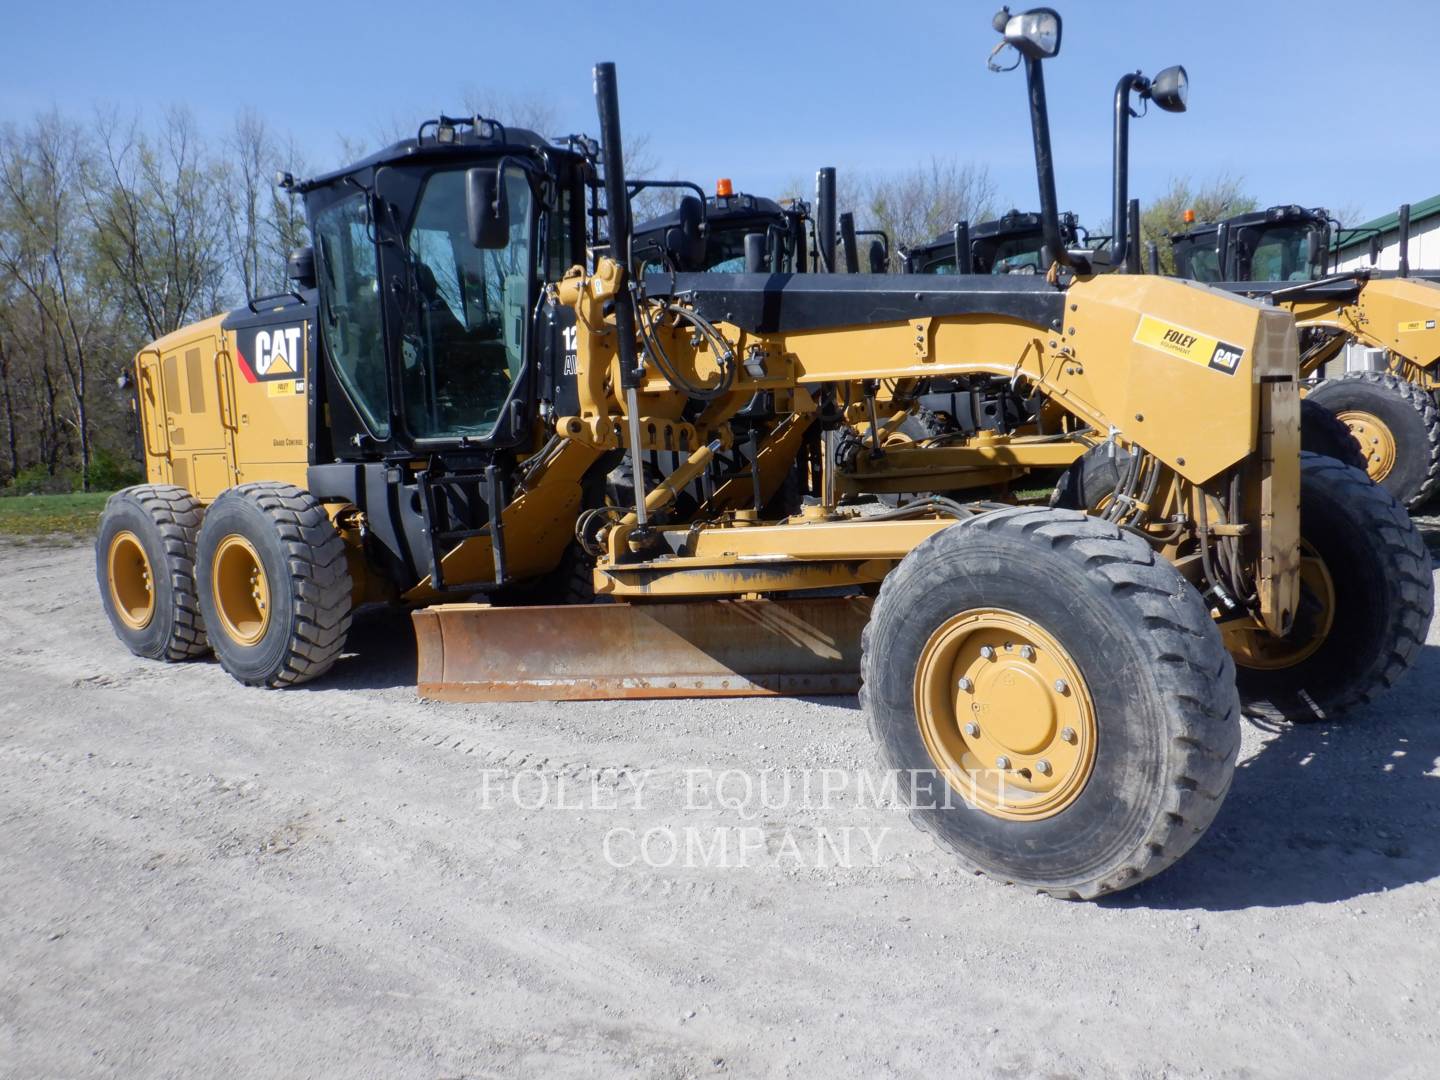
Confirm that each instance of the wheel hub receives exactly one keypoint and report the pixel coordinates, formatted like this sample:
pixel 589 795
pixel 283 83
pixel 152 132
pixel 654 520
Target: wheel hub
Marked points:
pixel 1254 647
pixel 1377 442
pixel 241 590
pixel 132 588
pixel 1005 714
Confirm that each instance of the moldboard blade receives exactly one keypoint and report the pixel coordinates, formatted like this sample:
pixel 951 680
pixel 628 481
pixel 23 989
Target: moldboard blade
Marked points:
pixel 709 648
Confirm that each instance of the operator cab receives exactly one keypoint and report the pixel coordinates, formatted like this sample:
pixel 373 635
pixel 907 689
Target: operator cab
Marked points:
pixel 438 363
pixel 428 261
pixel 1282 243
pixel 1008 245
pixel 729 217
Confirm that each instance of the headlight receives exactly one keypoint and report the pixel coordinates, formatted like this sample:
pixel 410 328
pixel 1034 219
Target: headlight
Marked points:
pixel 1036 33
pixel 1171 89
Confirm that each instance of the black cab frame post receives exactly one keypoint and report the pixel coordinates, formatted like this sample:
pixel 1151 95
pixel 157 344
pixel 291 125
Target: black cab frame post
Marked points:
pixel 1403 221
pixel 1044 162
pixel 849 243
pixel 825 223
pixel 964 259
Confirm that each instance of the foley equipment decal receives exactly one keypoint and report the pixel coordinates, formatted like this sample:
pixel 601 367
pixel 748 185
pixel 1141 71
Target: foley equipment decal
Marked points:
pixel 1186 344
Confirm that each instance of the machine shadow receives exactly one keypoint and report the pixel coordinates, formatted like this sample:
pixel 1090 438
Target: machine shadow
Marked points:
pixel 379 654
pixel 1323 812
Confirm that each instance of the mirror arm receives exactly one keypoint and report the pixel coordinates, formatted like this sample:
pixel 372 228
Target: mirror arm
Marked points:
pixel 1044 162
pixel 1120 182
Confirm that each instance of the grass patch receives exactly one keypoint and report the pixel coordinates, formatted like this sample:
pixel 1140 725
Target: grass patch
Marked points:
pixel 45 515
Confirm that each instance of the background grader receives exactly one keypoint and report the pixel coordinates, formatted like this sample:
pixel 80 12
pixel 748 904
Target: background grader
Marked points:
pixel 736 232
pixel 1058 687
pixel 1383 328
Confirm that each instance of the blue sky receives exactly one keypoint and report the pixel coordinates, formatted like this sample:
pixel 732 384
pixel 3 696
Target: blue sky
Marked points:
pixel 862 86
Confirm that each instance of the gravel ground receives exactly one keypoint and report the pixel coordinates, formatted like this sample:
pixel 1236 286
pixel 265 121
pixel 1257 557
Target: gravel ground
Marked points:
pixel 198 879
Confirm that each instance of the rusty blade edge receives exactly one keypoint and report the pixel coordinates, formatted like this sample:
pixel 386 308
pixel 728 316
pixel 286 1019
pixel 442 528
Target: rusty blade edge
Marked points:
pixel 609 689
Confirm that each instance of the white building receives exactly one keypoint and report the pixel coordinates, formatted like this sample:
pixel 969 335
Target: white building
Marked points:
pixel 1424 240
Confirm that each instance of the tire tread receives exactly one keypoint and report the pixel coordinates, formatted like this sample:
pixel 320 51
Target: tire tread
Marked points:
pixel 1188 657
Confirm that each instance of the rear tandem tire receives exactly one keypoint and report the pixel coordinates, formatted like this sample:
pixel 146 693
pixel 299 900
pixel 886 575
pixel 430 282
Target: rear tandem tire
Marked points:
pixel 1322 432
pixel 1383 595
pixel 1397 425
pixel 145 568
pixel 274 584
pixel 1163 716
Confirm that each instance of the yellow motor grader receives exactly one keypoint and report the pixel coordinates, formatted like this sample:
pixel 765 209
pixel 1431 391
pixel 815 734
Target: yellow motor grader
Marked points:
pixel 1383 327
pixel 1057 687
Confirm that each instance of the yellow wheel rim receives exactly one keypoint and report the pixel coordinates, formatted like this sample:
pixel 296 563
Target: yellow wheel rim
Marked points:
pixel 1376 441
pixel 240 590
pixel 1256 648
pixel 1005 714
pixel 132 585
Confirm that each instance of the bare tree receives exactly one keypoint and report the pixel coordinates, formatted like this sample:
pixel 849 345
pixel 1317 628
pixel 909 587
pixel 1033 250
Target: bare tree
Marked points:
pixel 157 212
pixel 43 251
pixel 7 395
pixel 919 203
pixel 249 157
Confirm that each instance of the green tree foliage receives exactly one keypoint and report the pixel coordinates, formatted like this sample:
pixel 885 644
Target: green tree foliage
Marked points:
pixel 1211 200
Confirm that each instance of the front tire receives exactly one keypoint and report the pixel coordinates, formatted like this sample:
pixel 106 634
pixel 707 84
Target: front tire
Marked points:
pixel 145 569
pixel 1106 690
pixel 275 586
pixel 1368 594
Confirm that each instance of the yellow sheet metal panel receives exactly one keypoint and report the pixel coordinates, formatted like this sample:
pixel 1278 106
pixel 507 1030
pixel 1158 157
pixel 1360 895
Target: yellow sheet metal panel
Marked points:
pixel 269 368
pixel 1402 315
pixel 1175 366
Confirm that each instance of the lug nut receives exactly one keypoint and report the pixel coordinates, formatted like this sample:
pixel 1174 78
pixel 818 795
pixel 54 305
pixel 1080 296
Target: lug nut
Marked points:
pixel 1002 762
pixel 1027 653
pixel 973 730
pixel 1068 735
pixel 965 684
pixel 1061 686
pixel 1042 767
pixel 987 653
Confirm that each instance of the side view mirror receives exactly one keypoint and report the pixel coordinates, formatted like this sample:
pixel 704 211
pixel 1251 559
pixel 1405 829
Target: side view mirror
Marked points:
pixel 1312 248
pixel 754 253
pixel 300 268
pixel 684 242
pixel 485 212
pixel 1374 249
pixel 879 258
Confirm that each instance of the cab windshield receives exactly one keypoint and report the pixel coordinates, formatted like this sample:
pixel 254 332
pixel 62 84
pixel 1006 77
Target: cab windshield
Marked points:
pixel 1196 259
pixel 463 337
pixel 1017 255
pixel 1281 254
